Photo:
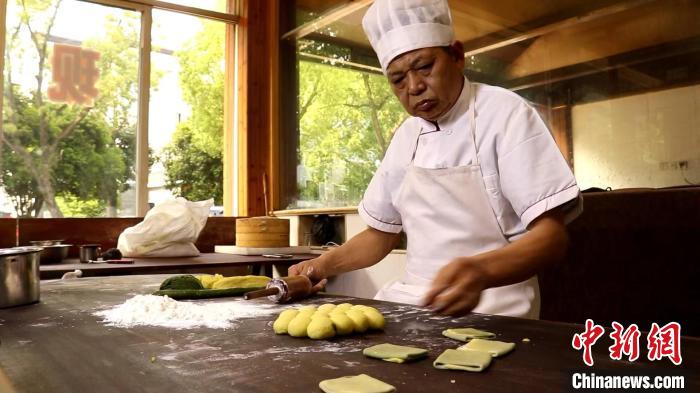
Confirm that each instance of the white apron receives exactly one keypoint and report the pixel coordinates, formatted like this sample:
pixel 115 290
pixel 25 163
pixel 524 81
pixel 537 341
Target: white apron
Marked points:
pixel 446 214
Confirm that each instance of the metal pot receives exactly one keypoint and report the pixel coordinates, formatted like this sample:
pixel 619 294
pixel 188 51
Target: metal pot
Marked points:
pixel 54 254
pixel 19 276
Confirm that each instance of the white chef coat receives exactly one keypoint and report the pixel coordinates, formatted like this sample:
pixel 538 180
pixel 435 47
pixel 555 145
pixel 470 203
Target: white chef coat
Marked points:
pixel 523 171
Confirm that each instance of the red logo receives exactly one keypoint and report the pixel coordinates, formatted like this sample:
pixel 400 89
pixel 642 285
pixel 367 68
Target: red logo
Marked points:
pixel 661 342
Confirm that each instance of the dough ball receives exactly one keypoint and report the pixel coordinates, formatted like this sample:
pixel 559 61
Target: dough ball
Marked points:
pixel 375 319
pixel 342 323
pixel 282 322
pixel 359 320
pixel 343 307
pixel 327 308
pixel 360 307
pixel 319 314
pixel 320 328
pixel 297 326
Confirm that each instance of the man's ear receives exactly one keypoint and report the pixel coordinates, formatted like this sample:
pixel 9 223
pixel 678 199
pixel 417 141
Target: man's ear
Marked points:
pixel 457 51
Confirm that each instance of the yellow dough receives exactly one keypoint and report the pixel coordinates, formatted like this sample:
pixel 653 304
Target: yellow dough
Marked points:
pixel 326 308
pixel 359 320
pixel 208 280
pixel 297 326
pixel 241 282
pixel 374 318
pixel 341 319
pixel 495 348
pixel 343 325
pixel 320 328
pixel 282 322
pixel 343 307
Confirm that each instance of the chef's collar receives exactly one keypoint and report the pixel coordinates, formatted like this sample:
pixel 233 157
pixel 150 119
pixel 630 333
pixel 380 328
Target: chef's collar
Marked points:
pixel 449 120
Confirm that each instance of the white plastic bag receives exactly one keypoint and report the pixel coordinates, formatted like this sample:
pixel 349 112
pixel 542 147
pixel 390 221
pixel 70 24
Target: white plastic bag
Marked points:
pixel 169 229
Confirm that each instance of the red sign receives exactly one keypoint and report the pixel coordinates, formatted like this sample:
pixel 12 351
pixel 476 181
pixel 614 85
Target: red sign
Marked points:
pixel 74 75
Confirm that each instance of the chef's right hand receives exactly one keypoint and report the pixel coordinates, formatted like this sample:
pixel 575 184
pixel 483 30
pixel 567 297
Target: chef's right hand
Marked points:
pixel 313 269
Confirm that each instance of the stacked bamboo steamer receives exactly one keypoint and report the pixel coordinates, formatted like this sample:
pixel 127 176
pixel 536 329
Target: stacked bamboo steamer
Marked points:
pixel 262 232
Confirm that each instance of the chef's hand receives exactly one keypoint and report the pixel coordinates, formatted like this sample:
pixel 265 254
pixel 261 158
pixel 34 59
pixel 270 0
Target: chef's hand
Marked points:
pixel 457 287
pixel 313 269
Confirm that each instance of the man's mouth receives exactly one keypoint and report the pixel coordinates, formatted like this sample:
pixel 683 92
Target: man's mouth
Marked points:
pixel 425 105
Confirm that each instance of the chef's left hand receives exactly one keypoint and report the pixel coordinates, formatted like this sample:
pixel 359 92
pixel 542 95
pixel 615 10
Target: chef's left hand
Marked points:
pixel 457 287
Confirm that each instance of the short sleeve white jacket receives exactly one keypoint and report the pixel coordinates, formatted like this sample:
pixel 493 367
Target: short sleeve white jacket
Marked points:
pixel 523 170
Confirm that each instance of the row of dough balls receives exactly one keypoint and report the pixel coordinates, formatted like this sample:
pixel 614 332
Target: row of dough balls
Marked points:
pixel 328 320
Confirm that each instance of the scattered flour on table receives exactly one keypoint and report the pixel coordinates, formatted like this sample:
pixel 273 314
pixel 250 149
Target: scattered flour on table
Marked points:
pixel 151 310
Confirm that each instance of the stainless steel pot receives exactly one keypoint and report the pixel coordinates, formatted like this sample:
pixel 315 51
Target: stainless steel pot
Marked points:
pixel 19 276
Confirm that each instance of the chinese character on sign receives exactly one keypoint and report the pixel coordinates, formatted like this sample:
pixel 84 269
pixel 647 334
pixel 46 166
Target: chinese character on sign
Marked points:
pixel 74 75
pixel 626 342
pixel 586 340
pixel 665 341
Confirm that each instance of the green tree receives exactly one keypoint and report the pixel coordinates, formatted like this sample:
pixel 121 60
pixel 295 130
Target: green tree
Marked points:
pixel 193 160
pixel 59 152
pixel 346 120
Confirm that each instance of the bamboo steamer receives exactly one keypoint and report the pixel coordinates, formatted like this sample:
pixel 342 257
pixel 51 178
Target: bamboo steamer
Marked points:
pixel 262 232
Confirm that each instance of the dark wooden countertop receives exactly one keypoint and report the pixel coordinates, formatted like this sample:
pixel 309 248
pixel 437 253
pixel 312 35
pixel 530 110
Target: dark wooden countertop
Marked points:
pixel 58 345
pixel 206 261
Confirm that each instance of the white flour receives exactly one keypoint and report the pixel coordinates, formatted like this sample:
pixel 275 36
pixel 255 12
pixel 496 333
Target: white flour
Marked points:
pixel 154 310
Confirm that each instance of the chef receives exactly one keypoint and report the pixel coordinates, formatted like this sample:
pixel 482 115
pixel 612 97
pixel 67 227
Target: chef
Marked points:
pixel 473 177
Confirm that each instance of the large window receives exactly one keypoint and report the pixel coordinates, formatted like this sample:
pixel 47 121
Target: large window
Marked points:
pixel 617 82
pixel 93 123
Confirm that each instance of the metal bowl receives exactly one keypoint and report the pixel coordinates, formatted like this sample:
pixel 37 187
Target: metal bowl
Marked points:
pixel 53 254
pixel 42 243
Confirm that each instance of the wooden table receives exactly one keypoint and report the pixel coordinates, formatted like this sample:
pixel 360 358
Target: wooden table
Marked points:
pixel 58 345
pixel 205 263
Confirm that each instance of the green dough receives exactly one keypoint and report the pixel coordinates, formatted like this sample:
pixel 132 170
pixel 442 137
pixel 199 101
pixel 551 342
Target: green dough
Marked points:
pixel 466 334
pixel 466 360
pixel 495 348
pixel 282 322
pixel 362 383
pixel 185 281
pixel 394 353
pixel 320 328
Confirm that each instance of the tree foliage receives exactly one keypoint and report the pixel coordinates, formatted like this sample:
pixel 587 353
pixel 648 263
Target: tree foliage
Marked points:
pixel 62 152
pixel 193 160
pixel 346 120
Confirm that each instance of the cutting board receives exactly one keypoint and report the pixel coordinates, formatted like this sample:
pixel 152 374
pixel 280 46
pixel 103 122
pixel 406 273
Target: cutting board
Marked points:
pixel 262 250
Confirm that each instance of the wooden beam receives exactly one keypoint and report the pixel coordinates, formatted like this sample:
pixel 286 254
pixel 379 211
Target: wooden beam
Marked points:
pixel 326 19
pixel 540 31
pixel 230 103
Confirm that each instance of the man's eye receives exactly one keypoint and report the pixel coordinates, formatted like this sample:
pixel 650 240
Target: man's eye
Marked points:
pixel 426 66
pixel 396 81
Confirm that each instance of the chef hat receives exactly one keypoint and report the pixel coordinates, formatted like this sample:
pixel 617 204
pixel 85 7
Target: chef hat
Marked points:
pixel 395 27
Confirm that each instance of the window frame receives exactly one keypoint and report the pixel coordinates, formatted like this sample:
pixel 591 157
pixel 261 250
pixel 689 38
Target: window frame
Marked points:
pixel 231 102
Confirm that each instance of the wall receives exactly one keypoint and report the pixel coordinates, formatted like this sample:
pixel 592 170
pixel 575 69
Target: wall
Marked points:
pixel 646 140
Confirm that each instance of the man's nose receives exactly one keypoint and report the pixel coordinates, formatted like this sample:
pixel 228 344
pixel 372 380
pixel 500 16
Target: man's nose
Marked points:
pixel 416 84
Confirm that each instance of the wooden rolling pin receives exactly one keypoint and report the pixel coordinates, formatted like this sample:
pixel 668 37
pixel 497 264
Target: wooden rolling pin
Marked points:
pixel 283 289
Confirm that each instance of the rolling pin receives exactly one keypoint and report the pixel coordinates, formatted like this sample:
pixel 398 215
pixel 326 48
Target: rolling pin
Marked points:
pixel 283 289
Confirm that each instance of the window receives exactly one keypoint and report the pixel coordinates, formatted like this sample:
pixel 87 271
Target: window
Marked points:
pixel 95 124
pixel 617 82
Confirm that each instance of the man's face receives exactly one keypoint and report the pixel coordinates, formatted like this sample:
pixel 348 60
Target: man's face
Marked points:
pixel 427 81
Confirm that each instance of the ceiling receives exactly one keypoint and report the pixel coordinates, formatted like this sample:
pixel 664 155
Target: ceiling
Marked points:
pixel 518 38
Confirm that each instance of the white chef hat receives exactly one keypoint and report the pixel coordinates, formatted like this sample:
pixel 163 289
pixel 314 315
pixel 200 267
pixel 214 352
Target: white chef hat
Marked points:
pixel 395 27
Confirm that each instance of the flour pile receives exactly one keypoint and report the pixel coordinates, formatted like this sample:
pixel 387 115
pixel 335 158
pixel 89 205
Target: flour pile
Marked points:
pixel 150 310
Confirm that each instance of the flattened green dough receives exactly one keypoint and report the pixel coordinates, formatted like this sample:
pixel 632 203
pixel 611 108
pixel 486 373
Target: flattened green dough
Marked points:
pixel 362 383
pixel 495 348
pixel 466 334
pixel 466 360
pixel 394 353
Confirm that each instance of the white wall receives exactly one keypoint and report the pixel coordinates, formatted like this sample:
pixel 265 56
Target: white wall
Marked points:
pixel 646 140
pixel 366 282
